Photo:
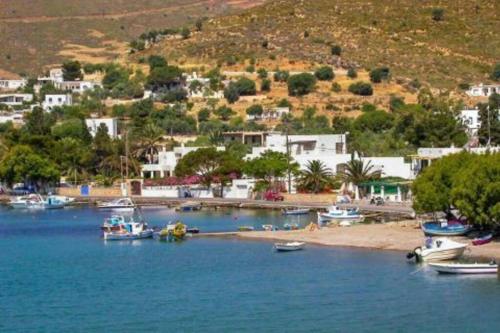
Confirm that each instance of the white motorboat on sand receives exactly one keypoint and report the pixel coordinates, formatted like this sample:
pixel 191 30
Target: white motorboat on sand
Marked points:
pixel 336 213
pixel 438 249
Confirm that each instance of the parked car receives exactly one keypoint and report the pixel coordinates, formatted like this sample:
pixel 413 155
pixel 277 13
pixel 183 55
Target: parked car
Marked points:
pixel 273 196
pixel 22 190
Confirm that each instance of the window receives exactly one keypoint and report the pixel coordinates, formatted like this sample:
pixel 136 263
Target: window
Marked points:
pixel 50 99
pixel 340 168
pixel 339 147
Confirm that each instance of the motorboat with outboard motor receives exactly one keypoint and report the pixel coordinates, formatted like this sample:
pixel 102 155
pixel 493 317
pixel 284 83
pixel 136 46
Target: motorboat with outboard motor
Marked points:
pixel 438 249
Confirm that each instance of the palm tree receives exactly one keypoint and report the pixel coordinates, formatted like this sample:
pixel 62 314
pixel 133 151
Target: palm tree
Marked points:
pixel 315 177
pixel 146 140
pixel 356 172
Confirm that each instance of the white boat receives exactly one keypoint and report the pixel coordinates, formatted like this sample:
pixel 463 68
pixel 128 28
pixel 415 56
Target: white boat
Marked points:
pixel 66 200
pixel 335 213
pixel 296 211
pixel 130 231
pixel 289 246
pixel 457 268
pixel 438 249
pixel 269 227
pixel 123 204
pixel 36 201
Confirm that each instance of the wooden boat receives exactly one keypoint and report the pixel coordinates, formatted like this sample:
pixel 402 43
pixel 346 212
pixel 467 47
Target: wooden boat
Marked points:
pixel 269 227
pixel 189 206
pixel 457 268
pixel 438 249
pixel 296 211
pixel 482 240
pixel 131 231
pixel 335 213
pixel 443 228
pixel 289 246
pixel 122 204
pixel 246 228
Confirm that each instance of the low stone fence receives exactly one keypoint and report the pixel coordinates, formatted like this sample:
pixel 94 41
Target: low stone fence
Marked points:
pixel 327 198
pixel 93 191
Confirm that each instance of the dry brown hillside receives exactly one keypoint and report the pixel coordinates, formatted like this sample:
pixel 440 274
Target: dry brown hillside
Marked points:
pixel 461 47
pixel 34 34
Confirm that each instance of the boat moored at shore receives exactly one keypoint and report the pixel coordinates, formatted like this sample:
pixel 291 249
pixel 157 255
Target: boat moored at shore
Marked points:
pixel 335 213
pixel 295 211
pixel 122 204
pixel 444 228
pixel 438 249
pixel 459 268
pixel 36 201
pixel 289 246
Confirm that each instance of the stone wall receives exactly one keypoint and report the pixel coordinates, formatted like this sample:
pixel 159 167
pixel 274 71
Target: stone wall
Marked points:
pixel 328 198
pixel 94 191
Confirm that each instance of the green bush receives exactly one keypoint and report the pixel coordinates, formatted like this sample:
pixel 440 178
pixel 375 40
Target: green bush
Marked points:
pixel 301 84
pixel 437 14
pixel 336 50
pixel 324 73
pixel 495 74
pixel 361 88
pixel 336 87
pixel 281 76
pixel 352 73
pixel 255 110
pixel 379 74
pixel 265 85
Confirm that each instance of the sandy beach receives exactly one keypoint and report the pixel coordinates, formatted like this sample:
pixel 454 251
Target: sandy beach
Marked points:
pixel 399 236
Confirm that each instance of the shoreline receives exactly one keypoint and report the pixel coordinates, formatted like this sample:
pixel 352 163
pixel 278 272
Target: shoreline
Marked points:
pixel 396 236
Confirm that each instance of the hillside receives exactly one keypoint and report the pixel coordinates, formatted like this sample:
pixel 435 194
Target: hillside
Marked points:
pixel 461 47
pixel 34 34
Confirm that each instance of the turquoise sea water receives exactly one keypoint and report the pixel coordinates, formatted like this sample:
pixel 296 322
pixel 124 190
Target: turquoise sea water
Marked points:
pixel 58 275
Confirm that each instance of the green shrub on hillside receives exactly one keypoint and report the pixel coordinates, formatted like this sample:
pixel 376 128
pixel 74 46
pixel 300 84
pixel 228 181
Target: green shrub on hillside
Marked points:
pixel 324 73
pixel 361 88
pixel 301 84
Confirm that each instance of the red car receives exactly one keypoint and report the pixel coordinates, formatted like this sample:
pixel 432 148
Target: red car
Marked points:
pixel 273 196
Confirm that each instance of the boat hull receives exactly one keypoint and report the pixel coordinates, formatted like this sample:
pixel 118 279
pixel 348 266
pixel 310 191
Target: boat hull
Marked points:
pixel 444 231
pixel 465 268
pixel 482 240
pixel 128 236
pixel 440 255
pixel 296 212
pixel 287 247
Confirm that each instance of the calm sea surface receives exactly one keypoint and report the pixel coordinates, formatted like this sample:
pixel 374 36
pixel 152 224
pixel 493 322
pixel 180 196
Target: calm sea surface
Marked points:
pixel 58 275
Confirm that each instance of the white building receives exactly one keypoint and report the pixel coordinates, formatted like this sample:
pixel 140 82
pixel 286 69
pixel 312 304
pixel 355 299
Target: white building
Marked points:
pixel 77 86
pixel 425 156
pixel 111 124
pixel 53 100
pixel 162 164
pixel 270 114
pixel 330 149
pixel 470 119
pixel 483 90
pixel 15 99
pixel 55 76
pixel 202 88
pixel 15 118
pixel 12 84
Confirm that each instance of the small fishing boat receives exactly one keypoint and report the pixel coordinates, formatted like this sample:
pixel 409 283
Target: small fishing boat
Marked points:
pixel 171 232
pixel 457 268
pixel 444 228
pixel 122 204
pixel 438 249
pixel 114 223
pixel 189 206
pixel 290 226
pixel 130 231
pixel 482 240
pixel 269 227
pixel 289 246
pixel 296 211
pixel 53 202
pixel 246 228
pixel 66 200
pixel 335 213
pixel 193 230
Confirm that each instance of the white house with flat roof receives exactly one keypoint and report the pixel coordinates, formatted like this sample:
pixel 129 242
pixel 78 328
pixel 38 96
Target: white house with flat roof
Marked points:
pixel 111 124
pixel 16 118
pixel 483 90
pixel 270 114
pixel 77 86
pixel 12 84
pixel 471 120
pixel 53 100
pixel 162 163
pixel 331 149
pixel 15 99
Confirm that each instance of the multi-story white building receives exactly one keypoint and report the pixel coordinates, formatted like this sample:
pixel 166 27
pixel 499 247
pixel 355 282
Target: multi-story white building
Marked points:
pixel 55 76
pixel 15 118
pixel 111 124
pixel 162 164
pixel 53 100
pixel 470 118
pixel 331 149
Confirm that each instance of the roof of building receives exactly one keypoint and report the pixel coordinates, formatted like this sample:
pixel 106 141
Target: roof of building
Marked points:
pixel 6 75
